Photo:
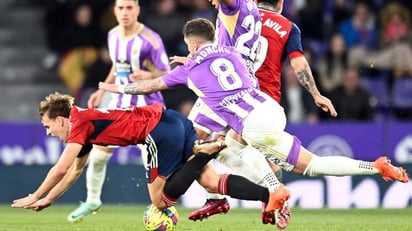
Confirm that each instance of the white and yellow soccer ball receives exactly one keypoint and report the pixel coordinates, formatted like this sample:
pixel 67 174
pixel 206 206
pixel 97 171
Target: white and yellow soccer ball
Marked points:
pixel 160 220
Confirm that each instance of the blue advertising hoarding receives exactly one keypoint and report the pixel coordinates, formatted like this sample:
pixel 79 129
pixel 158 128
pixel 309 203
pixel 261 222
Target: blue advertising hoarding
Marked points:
pixel 28 144
pixel 26 153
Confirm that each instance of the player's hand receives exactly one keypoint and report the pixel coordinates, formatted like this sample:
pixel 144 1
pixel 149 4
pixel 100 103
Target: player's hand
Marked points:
pixel 25 201
pixel 40 204
pixel 94 99
pixel 109 87
pixel 326 105
pixel 179 59
pixel 139 75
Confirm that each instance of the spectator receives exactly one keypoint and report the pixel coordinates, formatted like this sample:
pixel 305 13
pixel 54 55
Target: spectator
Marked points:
pixel 96 73
pixel 339 13
pixel 168 23
pixel 397 36
pixel 395 54
pixel 82 31
pixel 311 20
pixel 56 19
pixel 203 9
pixel 360 29
pixel 351 101
pixel 81 40
pixel 331 66
pixel 106 19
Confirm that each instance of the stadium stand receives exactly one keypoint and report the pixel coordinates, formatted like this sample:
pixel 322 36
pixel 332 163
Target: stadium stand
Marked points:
pixel 402 96
pixel 378 88
pixel 23 79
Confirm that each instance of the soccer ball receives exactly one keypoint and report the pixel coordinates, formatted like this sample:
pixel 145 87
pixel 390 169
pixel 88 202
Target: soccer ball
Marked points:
pixel 160 220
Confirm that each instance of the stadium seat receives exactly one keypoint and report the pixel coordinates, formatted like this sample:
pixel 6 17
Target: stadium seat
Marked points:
pixel 402 93
pixel 378 89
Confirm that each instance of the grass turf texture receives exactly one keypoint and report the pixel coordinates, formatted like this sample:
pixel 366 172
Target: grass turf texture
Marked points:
pixel 129 218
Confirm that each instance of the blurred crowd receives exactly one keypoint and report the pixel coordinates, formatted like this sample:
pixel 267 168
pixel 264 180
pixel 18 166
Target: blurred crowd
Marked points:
pixel 360 51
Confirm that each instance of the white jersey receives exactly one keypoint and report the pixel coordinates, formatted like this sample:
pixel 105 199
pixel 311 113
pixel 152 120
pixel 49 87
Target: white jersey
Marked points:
pixel 146 52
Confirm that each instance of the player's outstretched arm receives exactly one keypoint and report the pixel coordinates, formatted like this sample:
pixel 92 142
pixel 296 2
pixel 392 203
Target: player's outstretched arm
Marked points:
pixel 179 59
pixel 55 175
pixel 140 87
pixel 140 75
pixel 73 174
pixel 304 74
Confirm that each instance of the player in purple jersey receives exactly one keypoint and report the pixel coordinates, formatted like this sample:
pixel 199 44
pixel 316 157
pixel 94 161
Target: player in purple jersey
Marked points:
pixel 133 47
pixel 173 163
pixel 217 75
pixel 238 25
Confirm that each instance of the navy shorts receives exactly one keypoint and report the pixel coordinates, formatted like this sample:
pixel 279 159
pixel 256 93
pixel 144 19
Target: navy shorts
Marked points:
pixel 169 145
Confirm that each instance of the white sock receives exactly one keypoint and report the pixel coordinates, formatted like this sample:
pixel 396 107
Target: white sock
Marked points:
pixel 256 167
pixel 338 166
pixel 215 196
pixel 96 174
pixel 240 167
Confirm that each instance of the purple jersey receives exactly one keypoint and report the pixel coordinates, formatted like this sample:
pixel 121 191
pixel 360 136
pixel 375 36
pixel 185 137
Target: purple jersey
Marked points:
pixel 218 76
pixel 239 25
pixel 146 52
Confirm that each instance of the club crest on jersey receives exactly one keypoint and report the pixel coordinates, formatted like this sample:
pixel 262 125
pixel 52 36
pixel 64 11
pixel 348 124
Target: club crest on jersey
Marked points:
pixel 123 68
pixel 275 26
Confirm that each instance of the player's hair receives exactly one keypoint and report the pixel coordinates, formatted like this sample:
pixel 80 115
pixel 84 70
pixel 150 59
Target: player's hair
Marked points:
pixel 56 104
pixel 200 27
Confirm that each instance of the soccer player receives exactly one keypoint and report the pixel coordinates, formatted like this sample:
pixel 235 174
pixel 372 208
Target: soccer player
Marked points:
pixel 280 39
pixel 171 166
pixel 216 73
pixel 133 47
pixel 238 25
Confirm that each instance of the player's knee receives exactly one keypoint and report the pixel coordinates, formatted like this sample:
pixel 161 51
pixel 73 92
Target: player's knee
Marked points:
pixel 99 156
pixel 311 168
pixel 233 143
pixel 209 179
pixel 230 159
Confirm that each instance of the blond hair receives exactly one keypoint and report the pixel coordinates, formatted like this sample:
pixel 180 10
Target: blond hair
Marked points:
pixel 56 104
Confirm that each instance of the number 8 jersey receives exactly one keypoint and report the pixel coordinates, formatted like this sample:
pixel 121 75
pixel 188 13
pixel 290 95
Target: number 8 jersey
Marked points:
pixel 238 25
pixel 218 76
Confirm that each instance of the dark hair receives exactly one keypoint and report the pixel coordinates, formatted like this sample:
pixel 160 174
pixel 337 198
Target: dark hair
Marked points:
pixel 56 104
pixel 200 27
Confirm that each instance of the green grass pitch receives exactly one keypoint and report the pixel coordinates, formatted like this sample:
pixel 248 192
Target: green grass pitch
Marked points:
pixel 129 218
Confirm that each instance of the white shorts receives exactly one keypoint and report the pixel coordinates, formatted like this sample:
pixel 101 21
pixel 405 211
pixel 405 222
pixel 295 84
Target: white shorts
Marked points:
pixel 264 129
